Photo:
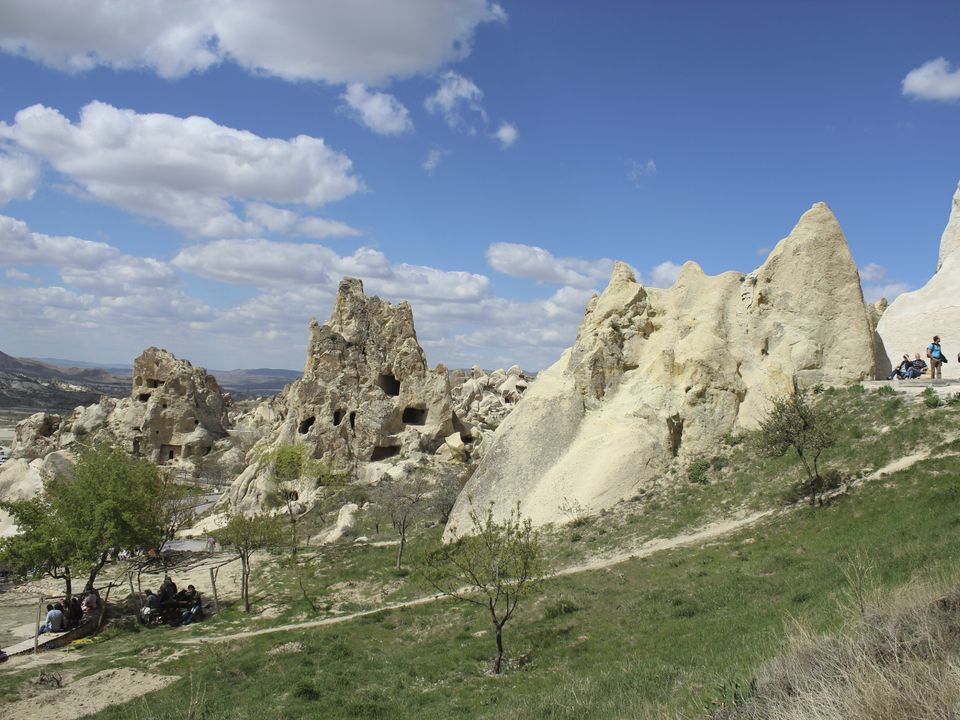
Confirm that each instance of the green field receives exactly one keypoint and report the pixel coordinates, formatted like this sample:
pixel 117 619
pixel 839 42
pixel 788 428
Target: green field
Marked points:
pixel 672 634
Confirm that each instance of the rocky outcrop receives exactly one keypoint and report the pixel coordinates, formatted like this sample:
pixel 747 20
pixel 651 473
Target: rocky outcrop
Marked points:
pixel 657 376
pixel 485 399
pixel 366 395
pixel 22 479
pixel 913 318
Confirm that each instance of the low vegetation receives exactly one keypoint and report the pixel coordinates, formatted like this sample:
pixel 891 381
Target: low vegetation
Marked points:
pixel 696 632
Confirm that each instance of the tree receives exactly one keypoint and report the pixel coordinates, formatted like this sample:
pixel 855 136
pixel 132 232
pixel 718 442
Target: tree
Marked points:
pixel 289 468
pixel 402 503
pixel 108 501
pixel 496 566
pixel 447 491
pixel 795 422
pixel 41 547
pixel 247 534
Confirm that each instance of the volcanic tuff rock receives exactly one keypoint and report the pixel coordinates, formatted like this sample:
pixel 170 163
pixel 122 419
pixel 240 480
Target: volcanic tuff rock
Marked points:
pixel 366 395
pixel 657 376
pixel 486 399
pixel 913 318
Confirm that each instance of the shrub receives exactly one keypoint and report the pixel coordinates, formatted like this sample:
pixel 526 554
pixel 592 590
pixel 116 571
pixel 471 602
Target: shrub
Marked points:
pixel 697 472
pixel 930 398
pixel 885 390
pixel 732 439
pixel 856 389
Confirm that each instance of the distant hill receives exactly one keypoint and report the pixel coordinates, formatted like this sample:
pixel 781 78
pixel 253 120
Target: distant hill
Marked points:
pixel 59 385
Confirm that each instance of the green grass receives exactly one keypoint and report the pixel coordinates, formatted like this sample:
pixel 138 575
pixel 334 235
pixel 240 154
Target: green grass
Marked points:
pixel 667 634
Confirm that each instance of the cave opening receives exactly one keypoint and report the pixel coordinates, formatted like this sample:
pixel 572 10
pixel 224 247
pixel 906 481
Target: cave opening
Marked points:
pixel 306 424
pixel 389 384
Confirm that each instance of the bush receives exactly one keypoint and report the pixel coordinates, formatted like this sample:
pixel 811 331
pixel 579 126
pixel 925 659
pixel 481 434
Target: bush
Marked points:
pixel 697 472
pixel 930 398
pixel 856 389
pixel 732 439
pixel 954 399
pixel 885 390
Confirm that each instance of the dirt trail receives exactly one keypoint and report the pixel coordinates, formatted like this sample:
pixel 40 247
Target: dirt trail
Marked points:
pixel 706 533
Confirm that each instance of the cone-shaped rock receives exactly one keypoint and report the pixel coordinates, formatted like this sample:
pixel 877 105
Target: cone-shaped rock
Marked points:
pixel 657 376
pixel 913 318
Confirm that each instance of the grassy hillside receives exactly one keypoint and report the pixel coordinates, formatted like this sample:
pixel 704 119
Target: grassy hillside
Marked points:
pixel 681 632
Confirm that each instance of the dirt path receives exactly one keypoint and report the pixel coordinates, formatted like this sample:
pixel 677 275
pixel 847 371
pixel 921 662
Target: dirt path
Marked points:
pixel 704 534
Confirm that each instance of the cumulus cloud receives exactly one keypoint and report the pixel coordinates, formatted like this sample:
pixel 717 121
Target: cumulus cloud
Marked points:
pixel 454 96
pixel 638 172
pixel 664 274
pixel 378 111
pixel 434 158
pixel 335 41
pixel 535 263
pixel 934 80
pixel 19 176
pixel 287 222
pixel 181 171
pixel 507 135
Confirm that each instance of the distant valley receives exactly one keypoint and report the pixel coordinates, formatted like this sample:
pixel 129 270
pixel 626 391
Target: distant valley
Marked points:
pixel 59 385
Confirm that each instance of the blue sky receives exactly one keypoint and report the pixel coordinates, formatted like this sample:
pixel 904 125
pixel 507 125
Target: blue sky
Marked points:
pixel 198 176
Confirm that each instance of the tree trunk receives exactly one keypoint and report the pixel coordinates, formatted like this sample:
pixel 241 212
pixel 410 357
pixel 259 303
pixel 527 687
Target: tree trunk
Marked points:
pixel 245 582
pixel 403 544
pixel 93 572
pixel 499 659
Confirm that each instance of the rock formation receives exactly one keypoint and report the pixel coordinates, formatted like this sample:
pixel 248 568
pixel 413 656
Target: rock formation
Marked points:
pixel 366 395
pixel 657 376
pixel 913 318
pixel 486 399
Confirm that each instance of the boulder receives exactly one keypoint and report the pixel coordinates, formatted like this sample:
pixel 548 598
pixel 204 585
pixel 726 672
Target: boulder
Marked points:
pixel 657 376
pixel 913 318
pixel 346 523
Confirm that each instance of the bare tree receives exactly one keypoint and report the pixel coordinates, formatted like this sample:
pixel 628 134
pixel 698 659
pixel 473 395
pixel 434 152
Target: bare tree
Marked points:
pixel 496 565
pixel 402 504
pixel 247 534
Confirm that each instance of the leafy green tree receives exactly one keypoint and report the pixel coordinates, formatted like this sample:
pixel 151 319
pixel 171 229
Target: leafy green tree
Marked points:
pixel 793 421
pixel 247 534
pixel 108 501
pixel 497 565
pixel 41 547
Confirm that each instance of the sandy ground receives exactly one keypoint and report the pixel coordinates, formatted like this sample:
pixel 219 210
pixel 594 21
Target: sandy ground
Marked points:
pixel 86 696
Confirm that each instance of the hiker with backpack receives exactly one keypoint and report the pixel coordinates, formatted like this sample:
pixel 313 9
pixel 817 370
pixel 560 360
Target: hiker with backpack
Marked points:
pixel 937 358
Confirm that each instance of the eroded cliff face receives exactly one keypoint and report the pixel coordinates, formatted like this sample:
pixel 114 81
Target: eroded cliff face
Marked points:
pixel 913 318
pixel 366 396
pixel 658 376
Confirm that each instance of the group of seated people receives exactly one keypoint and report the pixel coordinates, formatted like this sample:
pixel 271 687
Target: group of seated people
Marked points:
pixel 66 615
pixel 909 369
pixel 171 606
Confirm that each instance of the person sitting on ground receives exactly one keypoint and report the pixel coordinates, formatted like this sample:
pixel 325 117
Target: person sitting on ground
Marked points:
pixel 151 608
pixel 916 369
pixel 54 621
pixel 194 609
pixel 90 603
pixel 900 371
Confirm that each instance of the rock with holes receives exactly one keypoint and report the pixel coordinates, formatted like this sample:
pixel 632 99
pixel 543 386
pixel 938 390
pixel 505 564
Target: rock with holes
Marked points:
pixel 366 395
pixel 36 436
pixel 657 376
pixel 913 318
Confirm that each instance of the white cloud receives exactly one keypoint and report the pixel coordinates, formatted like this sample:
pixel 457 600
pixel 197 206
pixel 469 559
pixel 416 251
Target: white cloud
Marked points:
pixel 434 158
pixel 181 171
pixel 18 245
pixel 877 284
pixel 287 222
pixel 664 274
pixel 934 80
pixel 507 134
pixel 267 264
pixel 335 41
pixel 19 176
pixel 638 172
pixel 380 112
pixel 14 274
pixel 454 95
pixel 535 263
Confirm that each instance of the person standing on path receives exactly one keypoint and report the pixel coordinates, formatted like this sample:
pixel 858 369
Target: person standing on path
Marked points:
pixel 936 357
